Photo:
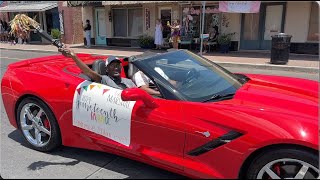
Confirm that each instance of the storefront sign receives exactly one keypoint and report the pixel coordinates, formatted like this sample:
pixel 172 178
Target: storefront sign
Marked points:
pixel 198 11
pixel 147 14
pixel 239 6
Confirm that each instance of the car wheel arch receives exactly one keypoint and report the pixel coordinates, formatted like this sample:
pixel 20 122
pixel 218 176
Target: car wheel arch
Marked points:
pixel 245 165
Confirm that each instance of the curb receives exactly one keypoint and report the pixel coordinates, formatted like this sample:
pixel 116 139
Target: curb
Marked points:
pixel 38 50
pixel 224 64
pixel 32 50
pixel 270 67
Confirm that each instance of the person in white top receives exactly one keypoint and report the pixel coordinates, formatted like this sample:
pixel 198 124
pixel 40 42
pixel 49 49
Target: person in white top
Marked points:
pixel 158 38
pixel 144 82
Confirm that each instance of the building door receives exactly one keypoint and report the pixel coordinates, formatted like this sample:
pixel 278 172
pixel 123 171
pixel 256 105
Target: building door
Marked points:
pixel 165 16
pixel 34 36
pixel 273 23
pixel 101 27
pixel 250 31
pixel 257 28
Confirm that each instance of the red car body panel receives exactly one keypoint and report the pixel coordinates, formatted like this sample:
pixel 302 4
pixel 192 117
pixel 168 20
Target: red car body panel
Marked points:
pixel 267 110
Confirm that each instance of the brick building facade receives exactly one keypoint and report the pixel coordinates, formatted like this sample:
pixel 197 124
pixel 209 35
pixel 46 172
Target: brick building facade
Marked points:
pixel 72 24
pixel 51 15
pixel 4 15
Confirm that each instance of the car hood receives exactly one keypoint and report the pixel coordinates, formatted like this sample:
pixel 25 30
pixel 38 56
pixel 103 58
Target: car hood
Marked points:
pixel 278 94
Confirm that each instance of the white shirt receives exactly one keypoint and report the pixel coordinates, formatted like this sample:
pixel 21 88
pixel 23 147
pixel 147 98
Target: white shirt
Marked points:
pixel 140 79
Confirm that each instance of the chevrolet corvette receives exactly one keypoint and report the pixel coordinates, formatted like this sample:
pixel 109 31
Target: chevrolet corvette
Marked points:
pixel 211 123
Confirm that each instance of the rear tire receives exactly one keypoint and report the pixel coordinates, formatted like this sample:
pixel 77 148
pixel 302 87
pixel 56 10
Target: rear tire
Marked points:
pixel 38 125
pixel 284 163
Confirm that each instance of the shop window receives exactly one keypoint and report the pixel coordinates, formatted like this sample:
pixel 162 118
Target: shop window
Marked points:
pixel 120 22
pixel 127 22
pixel 192 16
pixel 36 15
pixel 212 18
pixel 313 34
pixel 135 19
pixel 191 21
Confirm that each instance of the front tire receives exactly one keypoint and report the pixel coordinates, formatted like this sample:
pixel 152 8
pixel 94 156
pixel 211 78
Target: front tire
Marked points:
pixel 285 163
pixel 38 125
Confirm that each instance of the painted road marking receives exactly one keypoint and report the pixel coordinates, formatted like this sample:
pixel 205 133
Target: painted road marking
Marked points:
pixel 10 58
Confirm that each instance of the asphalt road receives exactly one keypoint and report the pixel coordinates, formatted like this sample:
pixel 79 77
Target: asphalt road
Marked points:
pixel 19 161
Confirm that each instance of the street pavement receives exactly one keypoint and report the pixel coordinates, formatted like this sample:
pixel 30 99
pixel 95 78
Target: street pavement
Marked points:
pixel 20 161
pixel 246 59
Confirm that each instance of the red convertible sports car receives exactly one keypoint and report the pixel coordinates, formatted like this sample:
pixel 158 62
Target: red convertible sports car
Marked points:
pixel 210 123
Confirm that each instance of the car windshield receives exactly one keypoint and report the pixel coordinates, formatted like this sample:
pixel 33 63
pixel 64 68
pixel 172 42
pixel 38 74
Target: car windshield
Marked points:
pixel 195 77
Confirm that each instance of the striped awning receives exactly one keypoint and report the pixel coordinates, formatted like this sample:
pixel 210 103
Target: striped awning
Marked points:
pixel 28 7
pixel 106 3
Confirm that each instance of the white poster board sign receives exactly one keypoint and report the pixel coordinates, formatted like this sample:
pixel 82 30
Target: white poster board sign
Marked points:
pixel 98 108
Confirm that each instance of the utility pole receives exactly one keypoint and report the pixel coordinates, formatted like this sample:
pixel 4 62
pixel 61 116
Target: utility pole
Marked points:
pixel 202 25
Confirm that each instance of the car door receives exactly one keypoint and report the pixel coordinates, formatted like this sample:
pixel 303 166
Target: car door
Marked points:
pixel 157 133
pixel 208 129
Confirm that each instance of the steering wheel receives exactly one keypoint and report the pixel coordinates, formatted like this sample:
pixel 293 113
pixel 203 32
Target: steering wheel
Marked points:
pixel 192 73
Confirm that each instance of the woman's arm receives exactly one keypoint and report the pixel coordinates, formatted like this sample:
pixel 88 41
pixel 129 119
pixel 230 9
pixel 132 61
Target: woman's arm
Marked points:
pixel 84 68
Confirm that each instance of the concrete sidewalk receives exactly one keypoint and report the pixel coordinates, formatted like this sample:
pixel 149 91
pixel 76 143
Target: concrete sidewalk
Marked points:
pixel 249 59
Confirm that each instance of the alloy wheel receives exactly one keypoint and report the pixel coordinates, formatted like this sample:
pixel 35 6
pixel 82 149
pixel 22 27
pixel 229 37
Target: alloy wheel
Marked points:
pixel 288 169
pixel 35 125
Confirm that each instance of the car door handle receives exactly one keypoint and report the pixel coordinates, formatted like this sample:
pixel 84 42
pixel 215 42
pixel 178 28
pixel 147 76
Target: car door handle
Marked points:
pixel 206 134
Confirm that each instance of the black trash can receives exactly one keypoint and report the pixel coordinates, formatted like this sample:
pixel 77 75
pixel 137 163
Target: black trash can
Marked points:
pixel 280 48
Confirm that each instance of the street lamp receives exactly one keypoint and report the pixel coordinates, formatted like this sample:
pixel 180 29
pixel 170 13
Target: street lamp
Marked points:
pixel 202 25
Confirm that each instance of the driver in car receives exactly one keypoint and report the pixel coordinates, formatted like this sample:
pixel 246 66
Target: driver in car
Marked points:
pixel 145 83
pixel 113 68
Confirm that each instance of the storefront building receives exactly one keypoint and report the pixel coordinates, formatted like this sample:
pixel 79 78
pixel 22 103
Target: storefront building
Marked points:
pixel 70 23
pixel 120 23
pixel 50 15
pixel 44 12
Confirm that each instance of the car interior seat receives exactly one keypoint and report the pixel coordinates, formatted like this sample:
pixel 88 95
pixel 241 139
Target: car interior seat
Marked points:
pixel 132 69
pixel 99 66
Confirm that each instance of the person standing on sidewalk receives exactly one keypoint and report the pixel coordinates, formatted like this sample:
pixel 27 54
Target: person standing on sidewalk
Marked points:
pixel 87 30
pixel 175 34
pixel 158 37
pixel 1 31
pixel 11 37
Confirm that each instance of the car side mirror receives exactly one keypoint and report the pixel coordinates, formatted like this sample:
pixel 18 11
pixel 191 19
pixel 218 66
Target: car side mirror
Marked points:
pixel 134 94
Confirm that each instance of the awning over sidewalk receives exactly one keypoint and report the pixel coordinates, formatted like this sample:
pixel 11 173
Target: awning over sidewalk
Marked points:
pixel 82 3
pixel 106 3
pixel 30 7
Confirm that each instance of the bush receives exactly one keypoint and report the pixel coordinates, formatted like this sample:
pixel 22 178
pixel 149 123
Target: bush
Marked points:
pixel 146 41
pixel 225 38
pixel 55 33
